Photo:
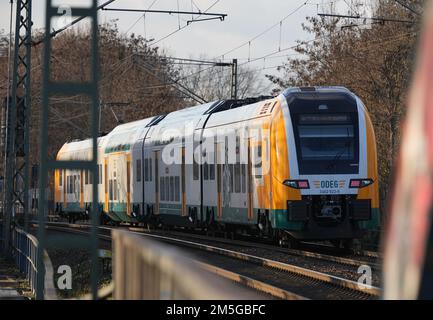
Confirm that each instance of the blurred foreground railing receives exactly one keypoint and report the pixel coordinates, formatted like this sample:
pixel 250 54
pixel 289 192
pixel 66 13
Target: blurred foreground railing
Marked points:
pixel 24 251
pixel 143 269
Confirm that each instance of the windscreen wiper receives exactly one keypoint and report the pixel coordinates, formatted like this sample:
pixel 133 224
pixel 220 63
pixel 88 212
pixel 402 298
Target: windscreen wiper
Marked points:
pixel 337 157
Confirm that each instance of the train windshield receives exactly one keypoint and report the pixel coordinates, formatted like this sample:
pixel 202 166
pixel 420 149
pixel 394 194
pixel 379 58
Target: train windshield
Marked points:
pixel 326 143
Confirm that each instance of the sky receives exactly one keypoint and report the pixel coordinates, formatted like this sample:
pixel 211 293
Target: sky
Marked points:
pixel 241 31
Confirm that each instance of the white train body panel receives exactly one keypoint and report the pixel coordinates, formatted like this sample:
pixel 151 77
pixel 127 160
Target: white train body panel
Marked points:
pixel 288 163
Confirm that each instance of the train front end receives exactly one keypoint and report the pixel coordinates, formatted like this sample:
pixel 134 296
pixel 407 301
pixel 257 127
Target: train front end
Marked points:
pixel 332 187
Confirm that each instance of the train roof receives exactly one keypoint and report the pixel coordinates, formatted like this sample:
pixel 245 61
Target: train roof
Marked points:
pixel 317 89
pixel 126 134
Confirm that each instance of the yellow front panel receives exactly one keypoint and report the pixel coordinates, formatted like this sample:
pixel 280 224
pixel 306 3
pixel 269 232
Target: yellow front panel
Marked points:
pixel 280 163
pixel 372 191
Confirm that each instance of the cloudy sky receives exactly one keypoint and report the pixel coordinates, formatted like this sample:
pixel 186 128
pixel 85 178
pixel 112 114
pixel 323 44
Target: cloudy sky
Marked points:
pixel 238 34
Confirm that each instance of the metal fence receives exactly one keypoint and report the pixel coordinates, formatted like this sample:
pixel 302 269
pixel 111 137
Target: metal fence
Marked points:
pixel 143 269
pixel 24 251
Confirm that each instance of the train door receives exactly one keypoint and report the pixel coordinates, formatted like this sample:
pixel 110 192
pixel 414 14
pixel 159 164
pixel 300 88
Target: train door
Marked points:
pixel 64 183
pixel 183 183
pixel 115 176
pixel 227 178
pixel 218 157
pixel 106 184
pixel 81 190
pixel 156 182
pixel 250 182
pixel 128 184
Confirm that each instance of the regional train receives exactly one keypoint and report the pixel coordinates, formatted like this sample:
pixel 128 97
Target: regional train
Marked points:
pixel 298 166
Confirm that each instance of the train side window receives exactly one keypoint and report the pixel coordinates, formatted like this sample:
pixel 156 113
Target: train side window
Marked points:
pixel 243 177
pixel 110 188
pixel 150 169
pixel 115 189
pixel 258 164
pixel 60 178
pixel 167 189
pixel 195 169
pixel 146 169
pixel 212 171
pixel 138 169
pixel 100 174
pixel 206 171
pixel 177 188
pixel 212 167
pixel 162 184
pixel 86 176
pixel 172 188
pixel 237 178
pixel 90 177
pixel 231 177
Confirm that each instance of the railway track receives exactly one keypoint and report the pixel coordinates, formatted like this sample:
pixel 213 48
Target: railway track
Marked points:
pixel 355 260
pixel 278 279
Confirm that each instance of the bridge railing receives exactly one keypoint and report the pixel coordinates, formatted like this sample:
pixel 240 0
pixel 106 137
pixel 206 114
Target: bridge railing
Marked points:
pixel 144 269
pixel 24 251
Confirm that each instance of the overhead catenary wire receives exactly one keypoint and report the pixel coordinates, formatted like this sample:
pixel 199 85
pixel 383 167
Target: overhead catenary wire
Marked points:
pixel 407 7
pixel 265 31
pixel 73 22
pixel 183 27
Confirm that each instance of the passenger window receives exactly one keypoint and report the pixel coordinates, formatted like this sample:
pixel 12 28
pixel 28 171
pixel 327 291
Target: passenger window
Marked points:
pixel 167 189
pixel 150 169
pixel 195 170
pixel 115 189
pixel 138 169
pixel 258 164
pixel 205 171
pixel 237 178
pixel 231 177
pixel 244 177
pixel 110 194
pixel 86 176
pixel 146 170
pixel 60 178
pixel 177 188
pixel 171 188
pixel 162 183
pixel 212 171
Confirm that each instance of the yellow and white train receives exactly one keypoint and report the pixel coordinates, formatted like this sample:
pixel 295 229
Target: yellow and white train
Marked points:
pixel 301 165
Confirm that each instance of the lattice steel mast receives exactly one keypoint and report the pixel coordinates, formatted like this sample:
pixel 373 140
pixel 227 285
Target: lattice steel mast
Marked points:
pixel 17 144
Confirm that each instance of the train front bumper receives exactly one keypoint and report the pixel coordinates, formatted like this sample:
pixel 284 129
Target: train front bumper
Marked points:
pixel 328 219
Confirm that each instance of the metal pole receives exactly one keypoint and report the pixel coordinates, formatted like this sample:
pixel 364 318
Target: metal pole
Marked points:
pixel 17 161
pixel 234 91
pixel 27 116
pixel 5 137
pixel 50 88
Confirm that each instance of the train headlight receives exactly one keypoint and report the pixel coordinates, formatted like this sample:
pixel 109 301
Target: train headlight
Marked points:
pixel 297 184
pixel 360 183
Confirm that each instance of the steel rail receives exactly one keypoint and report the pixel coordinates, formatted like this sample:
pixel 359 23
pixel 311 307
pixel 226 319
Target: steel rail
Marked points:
pixel 297 252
